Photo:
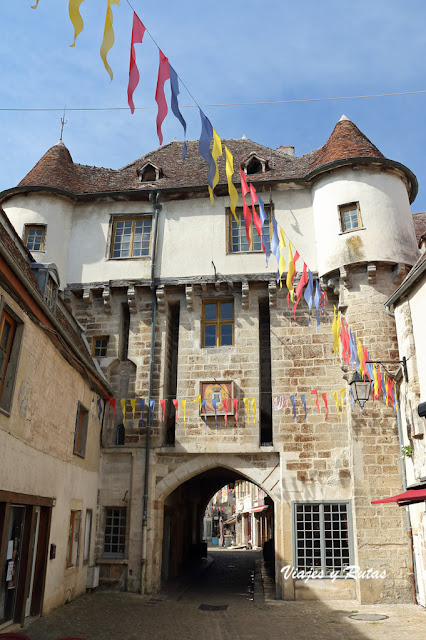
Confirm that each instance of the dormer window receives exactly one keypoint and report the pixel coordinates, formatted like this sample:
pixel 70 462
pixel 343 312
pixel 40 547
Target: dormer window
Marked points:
pixel 48 281
pixel 149 172
pixel 255 164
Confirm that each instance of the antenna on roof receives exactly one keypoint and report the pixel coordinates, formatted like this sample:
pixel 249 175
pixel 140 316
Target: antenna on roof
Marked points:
pixel 63 122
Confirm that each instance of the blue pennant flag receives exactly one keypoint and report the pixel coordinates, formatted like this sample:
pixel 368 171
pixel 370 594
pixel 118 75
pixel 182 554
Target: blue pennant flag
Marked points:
pixel 174 85
pixel 303 399
pixel 99 408
pixel 214 403
pixel 152 407
pixel 204 146
pixel 204 408
pixel 316 301
pixel 293 402
pixel 142 403
pixel 263 217
pixel 308 293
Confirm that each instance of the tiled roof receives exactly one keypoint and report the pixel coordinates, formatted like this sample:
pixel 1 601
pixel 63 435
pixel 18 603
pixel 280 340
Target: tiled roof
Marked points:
pixel 56 169
pixel 420 225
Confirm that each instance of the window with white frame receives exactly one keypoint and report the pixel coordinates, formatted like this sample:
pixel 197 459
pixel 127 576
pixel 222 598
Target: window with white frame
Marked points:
pixel 115 532
pixel 322 537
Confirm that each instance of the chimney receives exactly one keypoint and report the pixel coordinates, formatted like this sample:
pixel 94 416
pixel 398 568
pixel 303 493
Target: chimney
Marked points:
pixel 286 151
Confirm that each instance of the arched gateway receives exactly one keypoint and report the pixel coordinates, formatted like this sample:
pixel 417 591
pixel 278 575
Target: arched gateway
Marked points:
pixel 181 497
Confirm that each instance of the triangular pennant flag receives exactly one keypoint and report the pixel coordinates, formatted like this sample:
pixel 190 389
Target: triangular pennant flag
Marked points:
pixel 206 137
pixel 152 407
pixel 253 406
pixel 303 399
pixel 246 211
pixel 309 292
pixel 324 397
pixel 183 403
pixel 99 408
pixel 291 271
pixel 112 404
pixel 293 402
pixel 163 408
pixel 235 403
pixel 281 263
pixel 225 406
pixel 256 219
pixel 204 407
pixel 316 301
pixel 176 406
pixel 108 40
pixel 213 178
pixel 198 399
pixel 142 405
pixel 123 407
pixel 174 105
pixel 315 392
pixel 233 193
pixel 75 17
pixel 138 32
pixel 299 288
pixel 133 405
pixel 342 393
pixel 214 405
pixel 336 400
pixel 263 218
pixel 275 241
pixel 160 97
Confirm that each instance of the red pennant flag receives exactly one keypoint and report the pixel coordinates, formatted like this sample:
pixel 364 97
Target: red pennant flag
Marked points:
pixel 246 210
pixel 317 401
pixel 112 404
pixel 364 360
pixel 235 403
pixel 176 406
pixel 138 32
pixel 295 259
pixel 160 98
pixel 225 404
pixel 302 282
pixel 379 382
pixel 163 407
pixel 256 219
pixel 324 397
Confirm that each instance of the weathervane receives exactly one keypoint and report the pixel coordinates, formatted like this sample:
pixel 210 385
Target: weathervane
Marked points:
pixel 63 122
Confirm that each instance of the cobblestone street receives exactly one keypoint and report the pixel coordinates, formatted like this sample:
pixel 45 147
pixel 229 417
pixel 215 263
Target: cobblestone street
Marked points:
pixel 227 581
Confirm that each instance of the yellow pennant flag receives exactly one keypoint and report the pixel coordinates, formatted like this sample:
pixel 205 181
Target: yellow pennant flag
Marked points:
pixel 76 19
pixel 281 264
pixel 133 405
pixel 387 389
pixel 36 5
pixel 216 152
pixel 336 400
pixel 233 193
pixel 291 270
pixel 253 404
pixel 376 381
pixel 246 404
pixel 198 399
pixel 183 403
pixel 123 407
pixel 342 392
pixel 360 355
pixel 108 40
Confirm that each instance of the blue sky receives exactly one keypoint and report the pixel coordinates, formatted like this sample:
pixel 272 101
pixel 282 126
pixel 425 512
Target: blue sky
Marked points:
pixel 234 51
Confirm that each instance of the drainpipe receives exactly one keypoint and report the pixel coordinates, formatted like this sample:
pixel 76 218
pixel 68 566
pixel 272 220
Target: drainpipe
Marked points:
pixel 154 197
pixel 407 509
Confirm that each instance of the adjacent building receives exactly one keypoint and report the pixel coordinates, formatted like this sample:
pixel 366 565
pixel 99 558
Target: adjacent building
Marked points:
pixel 50 429
pixel 177 307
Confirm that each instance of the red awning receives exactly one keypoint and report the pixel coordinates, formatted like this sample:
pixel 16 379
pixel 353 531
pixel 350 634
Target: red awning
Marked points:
pixel 408 497
pixel 257 509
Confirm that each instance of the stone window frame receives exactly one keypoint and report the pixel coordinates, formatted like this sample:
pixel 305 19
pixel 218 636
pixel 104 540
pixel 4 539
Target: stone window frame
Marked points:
pixel 103 348
pixel 121 515
pixel 322 531
pixel 12 352
pixel 36 226
pixel 232 224
pixel 218 322
pixel 73 548
pixel 349 206
pixel 81 428
pixel 88 523
pixel 135 217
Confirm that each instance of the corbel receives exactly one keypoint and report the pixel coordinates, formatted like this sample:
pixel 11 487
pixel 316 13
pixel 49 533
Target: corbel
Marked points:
pixel 371 273
pixel 245 290
pixel 161 299
pixel 399 273
pixel 272 291
pixel 204 287
pixel 189 295
pixel 106 296
pixel 345 276
pixel 88 297
pixel 131 299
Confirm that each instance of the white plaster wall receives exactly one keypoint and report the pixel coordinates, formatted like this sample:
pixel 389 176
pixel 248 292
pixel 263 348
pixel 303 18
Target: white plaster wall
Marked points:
pixel 388 232
pixel 53 211
pixel 417 301
pixel 88 257
pixel 73 487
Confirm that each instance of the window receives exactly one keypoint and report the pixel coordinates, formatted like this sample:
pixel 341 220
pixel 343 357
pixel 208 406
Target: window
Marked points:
pixel 350 216
pixel 218 323
pixel 10 338
pixel 73 539
pixel 322 537
pixel 115 532
pixel 50 294
pixel 237 232
pixel 34 237
pixel 80 436
pixel 87 535
pixel 131 237
pixel 99 346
